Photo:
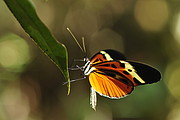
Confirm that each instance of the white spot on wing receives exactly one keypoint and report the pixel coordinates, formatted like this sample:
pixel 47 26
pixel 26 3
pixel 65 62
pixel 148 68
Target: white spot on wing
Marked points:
pixel 108 57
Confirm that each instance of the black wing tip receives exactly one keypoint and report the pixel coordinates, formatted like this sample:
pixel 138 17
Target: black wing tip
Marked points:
pixel 148 73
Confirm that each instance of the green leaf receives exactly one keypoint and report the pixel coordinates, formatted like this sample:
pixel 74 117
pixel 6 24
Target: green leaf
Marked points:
pixel 26 15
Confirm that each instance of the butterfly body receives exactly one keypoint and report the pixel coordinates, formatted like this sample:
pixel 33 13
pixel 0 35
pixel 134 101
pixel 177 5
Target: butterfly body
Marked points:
pixel 113 76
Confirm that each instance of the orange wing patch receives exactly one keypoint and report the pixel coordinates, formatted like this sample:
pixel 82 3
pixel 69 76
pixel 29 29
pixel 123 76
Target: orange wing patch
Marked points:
pixel 119 68
pixel 110 87
pixel 98 59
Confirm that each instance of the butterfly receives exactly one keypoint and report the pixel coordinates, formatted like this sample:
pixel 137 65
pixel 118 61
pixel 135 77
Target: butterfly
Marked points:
pixel 113 76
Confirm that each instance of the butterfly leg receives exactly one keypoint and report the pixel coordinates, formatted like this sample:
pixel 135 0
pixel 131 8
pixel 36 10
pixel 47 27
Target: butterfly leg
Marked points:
pixel 75 80
pixel 73 68
pixel 78 60
pixel 76 67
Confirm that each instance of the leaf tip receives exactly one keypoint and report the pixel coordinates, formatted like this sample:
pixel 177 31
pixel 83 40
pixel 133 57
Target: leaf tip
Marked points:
pixel 69 88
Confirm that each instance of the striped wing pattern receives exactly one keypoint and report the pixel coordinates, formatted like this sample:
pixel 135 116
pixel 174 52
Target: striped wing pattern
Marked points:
pixel 112 76
pixel 110 87
pixel 111 79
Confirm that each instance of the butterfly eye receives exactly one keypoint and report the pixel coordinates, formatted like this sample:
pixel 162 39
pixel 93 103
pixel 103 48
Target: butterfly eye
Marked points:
pixel 86 59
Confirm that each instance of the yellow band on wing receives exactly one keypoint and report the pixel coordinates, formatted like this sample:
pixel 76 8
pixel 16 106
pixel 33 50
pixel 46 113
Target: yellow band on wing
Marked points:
pixel 132 71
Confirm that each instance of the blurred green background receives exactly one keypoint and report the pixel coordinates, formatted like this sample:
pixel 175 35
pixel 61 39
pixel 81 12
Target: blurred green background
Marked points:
pixel 144 30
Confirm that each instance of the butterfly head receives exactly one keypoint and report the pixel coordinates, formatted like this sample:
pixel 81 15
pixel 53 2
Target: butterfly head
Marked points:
pixel 86 59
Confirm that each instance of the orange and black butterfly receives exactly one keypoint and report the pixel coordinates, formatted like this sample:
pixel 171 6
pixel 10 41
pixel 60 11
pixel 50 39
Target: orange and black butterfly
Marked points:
pixel 112 75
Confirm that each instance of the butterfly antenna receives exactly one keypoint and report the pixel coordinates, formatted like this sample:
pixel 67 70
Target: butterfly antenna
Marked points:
pixel 84 46
pixel 76 40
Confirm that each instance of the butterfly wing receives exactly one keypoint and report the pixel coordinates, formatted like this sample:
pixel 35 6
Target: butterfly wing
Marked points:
pixel 116 79
pixel 107 55
pixel 110 87
pixel 137 73
pixel 147 73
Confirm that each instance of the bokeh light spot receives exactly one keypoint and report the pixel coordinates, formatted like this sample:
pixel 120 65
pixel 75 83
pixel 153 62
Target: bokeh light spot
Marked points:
pixel 176 28
pixel 172 76
pixel 107 39
pixel 151 15
pixel 14 52
pixel 15 103
pixel 174 113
